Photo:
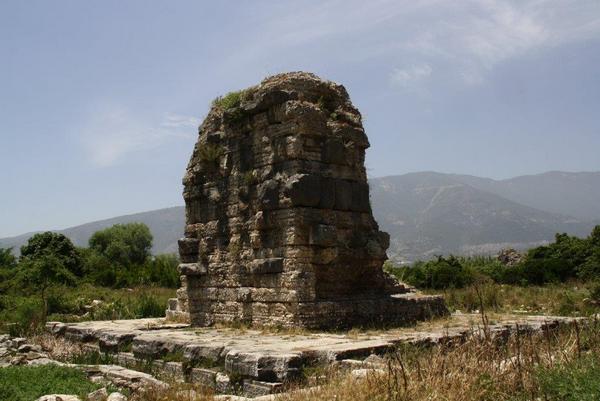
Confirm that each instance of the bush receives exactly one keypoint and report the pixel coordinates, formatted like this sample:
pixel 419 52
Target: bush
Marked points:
pixel 590 269
pixel 566 258
pixel 437 274
pixel 21 317
pixel 148 306
pixel 162 270
pixel 8 263
pixel 595 291
pixel 541 271
pixel 7 259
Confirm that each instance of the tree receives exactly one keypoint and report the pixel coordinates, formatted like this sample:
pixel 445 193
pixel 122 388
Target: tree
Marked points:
pixel 8 263
pixel 7 259
pixel 125 244
pixel 594 237
pixel 56 245
pixel 41 272
pixel 117 256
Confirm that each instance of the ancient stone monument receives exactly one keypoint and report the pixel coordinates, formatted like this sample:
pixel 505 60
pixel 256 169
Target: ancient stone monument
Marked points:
pixel 279 229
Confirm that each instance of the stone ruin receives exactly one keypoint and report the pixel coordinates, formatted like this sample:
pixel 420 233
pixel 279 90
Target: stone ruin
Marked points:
pixel 279 229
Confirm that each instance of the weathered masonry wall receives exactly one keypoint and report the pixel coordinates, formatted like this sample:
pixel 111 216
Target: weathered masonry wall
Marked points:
pixel 279 229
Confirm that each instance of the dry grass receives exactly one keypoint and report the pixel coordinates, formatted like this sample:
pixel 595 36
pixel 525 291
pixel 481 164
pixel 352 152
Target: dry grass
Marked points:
pixel 478 369
pixel 565 299
pixel 176 392
pixel 58 348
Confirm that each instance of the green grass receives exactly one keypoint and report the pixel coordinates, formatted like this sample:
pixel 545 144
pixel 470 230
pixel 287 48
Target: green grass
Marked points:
pixel 27 383
pixel 229 101
pixel 21 315
pixel 233 99
pixel 210 153
pixel 578 380
pixel 174 356
pixel 565 299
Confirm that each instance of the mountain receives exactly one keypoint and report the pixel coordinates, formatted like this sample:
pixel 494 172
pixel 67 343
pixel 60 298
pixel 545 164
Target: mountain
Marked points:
pixel 427 214
pixel 166 226
pixel 572 194
pixel 431 213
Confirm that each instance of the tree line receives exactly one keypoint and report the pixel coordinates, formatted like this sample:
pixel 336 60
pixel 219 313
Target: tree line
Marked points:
pixel 116 257
pixel 568 257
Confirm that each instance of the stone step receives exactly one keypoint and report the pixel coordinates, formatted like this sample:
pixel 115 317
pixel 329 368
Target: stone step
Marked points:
pixel 215 379
pixel 233 360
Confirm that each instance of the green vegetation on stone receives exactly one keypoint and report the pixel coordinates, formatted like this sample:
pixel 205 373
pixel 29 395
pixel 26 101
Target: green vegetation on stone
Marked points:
pixel 228 101
pixel 210 153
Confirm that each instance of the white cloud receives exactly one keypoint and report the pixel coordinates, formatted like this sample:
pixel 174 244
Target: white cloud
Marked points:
pixel 178 121
pixel 410 76
pixel 467 38
pixel 114 133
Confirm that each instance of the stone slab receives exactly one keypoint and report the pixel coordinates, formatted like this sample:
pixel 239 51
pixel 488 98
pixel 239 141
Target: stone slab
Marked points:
pixel 276 357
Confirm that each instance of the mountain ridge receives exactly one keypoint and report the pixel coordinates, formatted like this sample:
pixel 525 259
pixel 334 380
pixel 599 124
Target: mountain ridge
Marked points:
pixel 430 213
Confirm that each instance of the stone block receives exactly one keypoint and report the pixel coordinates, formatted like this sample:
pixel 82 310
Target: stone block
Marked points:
pixel 304 190
pixel 266 266
pixel 192 269
pixel 255 388
pixel 188 249
pixel 203 377
pixel 343 195
pixel 323 235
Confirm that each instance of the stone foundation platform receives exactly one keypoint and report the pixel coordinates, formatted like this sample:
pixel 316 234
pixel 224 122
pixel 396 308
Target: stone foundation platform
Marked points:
pixel 257 363
pixel 389 311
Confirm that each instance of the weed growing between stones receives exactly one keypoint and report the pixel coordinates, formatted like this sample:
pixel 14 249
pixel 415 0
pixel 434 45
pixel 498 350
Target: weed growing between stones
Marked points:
pixel 174 356
pixel 228 101
pixel 210 154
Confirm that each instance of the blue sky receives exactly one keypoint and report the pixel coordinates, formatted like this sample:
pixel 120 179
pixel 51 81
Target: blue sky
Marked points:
pixel 100 100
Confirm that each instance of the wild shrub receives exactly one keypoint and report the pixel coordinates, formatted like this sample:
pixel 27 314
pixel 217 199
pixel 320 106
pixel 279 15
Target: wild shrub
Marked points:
pixel 233 99
pixel 568 257
pixel 437 274
pixel 209 154
pixel 148 306
pixel 162 271
pixel 595 291
pixel 228 101
pixel 25 318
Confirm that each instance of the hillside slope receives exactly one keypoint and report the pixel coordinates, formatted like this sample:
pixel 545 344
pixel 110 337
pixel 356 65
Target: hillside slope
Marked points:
pixel 429 213
pixel 572 194
pixel 166 226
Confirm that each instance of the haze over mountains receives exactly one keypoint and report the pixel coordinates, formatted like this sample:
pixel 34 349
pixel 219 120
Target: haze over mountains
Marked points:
pixel 430 213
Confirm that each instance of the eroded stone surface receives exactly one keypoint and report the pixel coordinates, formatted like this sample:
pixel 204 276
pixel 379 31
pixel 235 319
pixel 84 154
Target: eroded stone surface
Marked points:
pixel 213 356
pixel 279 229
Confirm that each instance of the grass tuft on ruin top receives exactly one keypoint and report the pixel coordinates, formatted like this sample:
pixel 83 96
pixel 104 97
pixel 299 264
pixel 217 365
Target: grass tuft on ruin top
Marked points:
pixel 232 100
